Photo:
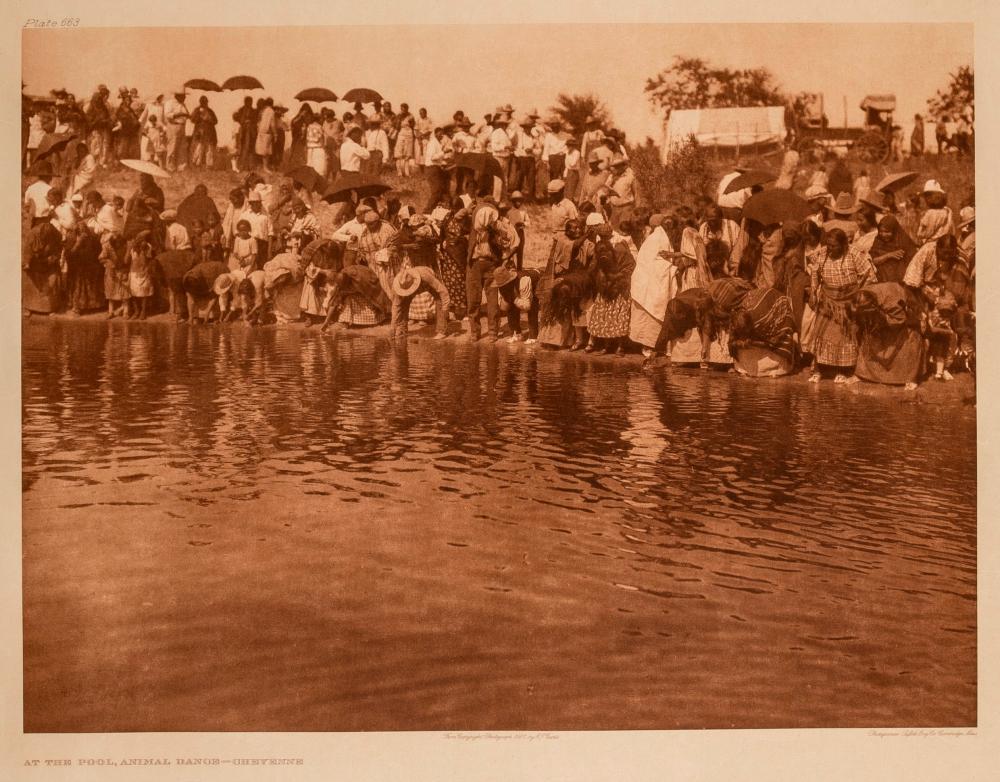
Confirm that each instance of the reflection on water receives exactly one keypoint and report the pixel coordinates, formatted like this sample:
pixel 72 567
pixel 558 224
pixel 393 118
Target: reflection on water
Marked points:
pixel 274 530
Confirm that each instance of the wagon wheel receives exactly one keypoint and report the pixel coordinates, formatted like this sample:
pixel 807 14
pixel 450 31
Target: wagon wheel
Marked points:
pixel 872 147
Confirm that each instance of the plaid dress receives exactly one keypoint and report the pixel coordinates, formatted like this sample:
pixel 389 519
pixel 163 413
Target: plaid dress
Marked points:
pixel 833 337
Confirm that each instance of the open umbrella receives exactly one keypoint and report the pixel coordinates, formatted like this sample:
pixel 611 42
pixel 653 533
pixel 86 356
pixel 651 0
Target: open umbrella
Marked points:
pixel 318 94
pixel 479 162
pixel 205 85
pixel 146 167
pixel 351 182
pixel 892 182
pixel 52 143
pixel 362 95
pixel 242 83
pixel 750 178
pixel 308 177
pixel 770 207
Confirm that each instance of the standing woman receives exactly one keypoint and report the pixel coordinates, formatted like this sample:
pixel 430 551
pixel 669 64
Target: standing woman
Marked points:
pixel 867 228
pixel 41 252
pixel 609 318
pixel 246 120
pixel 840 272
pixel 454 252
pixel 84 273
pixel 653 284
pixel 300 122
pixel 316 146
pixel 891 251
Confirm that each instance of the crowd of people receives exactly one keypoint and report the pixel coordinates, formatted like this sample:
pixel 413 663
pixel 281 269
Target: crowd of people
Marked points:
pixel 859 288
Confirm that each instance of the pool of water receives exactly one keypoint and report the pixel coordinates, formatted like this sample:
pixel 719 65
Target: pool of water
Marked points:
pixel 227 529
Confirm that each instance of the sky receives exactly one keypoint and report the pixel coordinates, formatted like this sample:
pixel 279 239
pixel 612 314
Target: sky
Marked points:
pixel 476 68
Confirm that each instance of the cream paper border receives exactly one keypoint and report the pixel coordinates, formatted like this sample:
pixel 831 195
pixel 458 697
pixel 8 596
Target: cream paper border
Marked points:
pixel 683 755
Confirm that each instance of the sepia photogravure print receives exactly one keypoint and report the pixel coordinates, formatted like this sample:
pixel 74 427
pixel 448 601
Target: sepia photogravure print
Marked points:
pixel 396 381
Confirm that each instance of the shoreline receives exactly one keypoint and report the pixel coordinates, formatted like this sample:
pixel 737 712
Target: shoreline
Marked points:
pixel 961 391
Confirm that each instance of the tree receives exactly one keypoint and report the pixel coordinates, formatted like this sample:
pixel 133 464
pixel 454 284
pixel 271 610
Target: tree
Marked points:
pixel 961 92
pixel 574 110
pixel 691 83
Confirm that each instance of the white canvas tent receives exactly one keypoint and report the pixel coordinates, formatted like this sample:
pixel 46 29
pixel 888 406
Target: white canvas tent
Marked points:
pixel 733 127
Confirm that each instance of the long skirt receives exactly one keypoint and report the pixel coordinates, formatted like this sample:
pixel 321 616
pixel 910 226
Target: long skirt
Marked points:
pixel 583 319
pixel 116 284
pixel 643 328
pixel 756 361
pixel 609 318
pixel 40 291
pixel 313 300
pixel 687 349
pixel 832 340
pixel 893 356
pixel 356 311
pixel 286 302
pixel 452 265
pixel 85 285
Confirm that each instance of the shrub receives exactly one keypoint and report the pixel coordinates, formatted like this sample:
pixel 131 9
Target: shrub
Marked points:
pixel 688 173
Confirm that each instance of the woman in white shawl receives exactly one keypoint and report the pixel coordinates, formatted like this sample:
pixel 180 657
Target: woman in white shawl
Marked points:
pixel 654 283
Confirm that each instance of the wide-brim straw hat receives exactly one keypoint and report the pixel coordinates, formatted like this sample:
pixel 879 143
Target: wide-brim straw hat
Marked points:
pixel 223 283
pixel 556 185
pixel 844 205
pixel 816 193
pixel 406 283
pixel 967 216
pixel 932 186
pixel 502 276
pixel 876 200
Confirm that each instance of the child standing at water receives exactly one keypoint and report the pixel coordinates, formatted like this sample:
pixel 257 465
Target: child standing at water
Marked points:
pixel 244 253
pixel 140 278
pixel 115 260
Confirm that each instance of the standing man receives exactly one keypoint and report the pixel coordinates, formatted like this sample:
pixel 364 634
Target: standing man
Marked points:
pixel 484 255
pixel 425 131
pixel 524 158
pixel 917 137
pixel 624 191
pixel 501 147
pixel 351 152
pixel 204 139
pixel 265 134
pixel 261 227
pixel 99 122
pixel 377 144
pixel 554 151
pixel 126 126
pixel 177 116
pixel 333 137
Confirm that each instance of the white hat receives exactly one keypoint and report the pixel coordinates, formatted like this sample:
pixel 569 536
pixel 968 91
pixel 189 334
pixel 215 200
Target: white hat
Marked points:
pixel 76 197
pixel 933 186
pixel 254 195
pixel 406 283
pixel 595 218
pixel 556 185
pixel 222 284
